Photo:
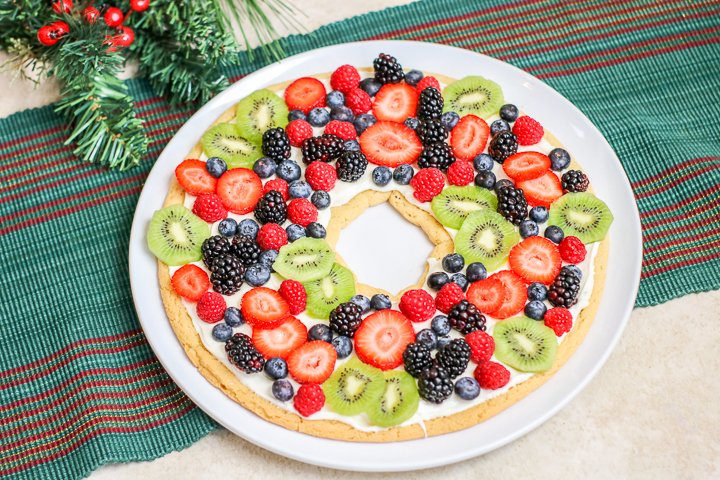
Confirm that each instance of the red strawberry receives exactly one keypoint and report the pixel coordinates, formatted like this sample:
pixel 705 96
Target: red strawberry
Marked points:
pixel 312 362
pixel 535 259
pixel 572 250
pixel 263 307
pixel 239 189
pixel 418 305
pixel 194 178
pixel 211 307
pixel 382 338
pixel 321 176
pixel 390 144
pixel 469 137
pixel 395 102
pixel 449 295
pixel 310 398
pixel 526 165
pixel 491 375
pixel 294 294
pixel 209 207
pixel 427 183
pixel 427 82
pixel 280 341
pixel 302 212
pixel 344 130
pixel 559 319
pixel 516 297
pixel 482 346
pixel 461 174
pixel 345 79
pixel 528 131
pixel 487 295
pixel 190 282
pixel 297 131
pixel 279 185
pixel 305 94
pixel 358 101
pixel 541 191
pixel 271 236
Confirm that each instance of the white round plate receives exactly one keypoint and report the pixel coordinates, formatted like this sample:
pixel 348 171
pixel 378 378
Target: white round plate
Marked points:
pixel 532 96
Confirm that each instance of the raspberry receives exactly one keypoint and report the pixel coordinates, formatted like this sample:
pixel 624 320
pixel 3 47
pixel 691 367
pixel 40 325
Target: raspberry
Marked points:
pixel 461 174
pixel 309 399
pixel 298 130
pixel 345 79
pixel 482 345
pixel 559 319
pixel 491 375
pixel 572 250
pixel 528 131
pixel 211 307
pixel 294 294
pixel 427 82
pixel 344 130
pixel 417 305
pixel 427 183
pixel 449 295
pixel 321 176
pixel 271 236
pixel 358 101
pixel 279 185
pixel 209 207
pixel 302 212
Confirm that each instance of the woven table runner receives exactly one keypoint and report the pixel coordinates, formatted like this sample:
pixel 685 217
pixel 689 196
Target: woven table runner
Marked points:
pixel 79 385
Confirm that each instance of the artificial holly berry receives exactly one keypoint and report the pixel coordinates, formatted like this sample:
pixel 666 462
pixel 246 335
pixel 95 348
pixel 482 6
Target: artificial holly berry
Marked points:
pixel 139 5
pixel 61 28
pixel 113 17
pixel 47 35
pixel 125 38
pixel 91 14
pixel 62 5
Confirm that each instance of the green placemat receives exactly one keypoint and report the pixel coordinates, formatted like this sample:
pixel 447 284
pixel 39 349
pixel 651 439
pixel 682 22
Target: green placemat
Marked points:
pixel 80 387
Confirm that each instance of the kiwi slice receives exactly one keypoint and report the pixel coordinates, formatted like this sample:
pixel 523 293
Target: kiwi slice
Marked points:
pixel 473 95
pixel 353 387
pixel 325 294
pixel 305 259
pixel 485 236
pixel 260 111
pixel 524 344
pixel 454 204
pixel 581 215
pixel 398 402
pixel 223 141
pixel 176 234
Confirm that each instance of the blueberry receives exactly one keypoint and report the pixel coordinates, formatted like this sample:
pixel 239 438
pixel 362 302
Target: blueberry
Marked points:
pixel 528 228
pixel 276 368
pixel 539 214
pixel 449 120
pixel 483 162
pixel 228 227
pixel 334 99
pixel 380 302
pixel 467 388
pixel 321 199
pixel 288 170
pixel 499 126
pixel 221 332
pixel 233 317
pixel 442 341
pixel 248 227
pixel 509 112
pixel 485 179
pixel 320 331
pixel 403 174
pixel 315 230
pixel 296 115
pixel 537 291
pixel 264 167
pixel 257 275
pixel 440 325
pixel 574 269
pixel 476 271
pixel 535 310
pixel 318 117
pixel 342 114
pixel 554 233
pixel 460 280
pixel 503 183
pixel 438 280
pixel 453 263
pixel 413 77
pixel 352 146
pixel 381 176
pixel 299 189
pixel 427 337
pixel 361 301
pixel 370 85
pixel 295 231
pixel 216 166
pixel 559 159
pixel 411 123
pixel 363 121
pixel 267 258
pixel 343 346
pixel 282 390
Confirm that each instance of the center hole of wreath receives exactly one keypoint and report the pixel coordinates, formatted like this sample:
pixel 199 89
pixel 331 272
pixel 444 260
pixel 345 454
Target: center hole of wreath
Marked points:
pixel 385 250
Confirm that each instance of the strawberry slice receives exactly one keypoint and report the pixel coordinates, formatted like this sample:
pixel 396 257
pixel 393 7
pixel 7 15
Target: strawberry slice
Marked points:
pixel 280 341
pixel 516 297
pixel 487 295
pixel 469 137
pixel 543 190
pixel 382 338
pixel 536 259
pixel 526 165
pixel 312 362
pixel 395 102
pixel 190 282
pixel 390 144
pixel 239 190
pixel 305 94
pixel 263 307
pixel 194 178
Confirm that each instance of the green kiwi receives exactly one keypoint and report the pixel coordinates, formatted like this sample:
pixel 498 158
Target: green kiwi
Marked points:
pixel 454 204
pixel 305 259
pixel 353 387
pixel 473 96
pixel 325 294
pixel 176 234
pixel 524 344
pixel 485 236
pixel 581 215
pixel 260 111
pixel 398 402
pixel 223 141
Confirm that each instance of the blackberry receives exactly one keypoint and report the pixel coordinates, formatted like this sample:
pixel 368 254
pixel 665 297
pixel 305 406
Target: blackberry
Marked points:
pixel 271 208
pixel 574 181
pixel 246 249
pixel 213 247
pixel 438 155
pixel 417 357
pixel 387 70
pixel 564 290
pixel 431 131
pixel 242 353
pixel 351 166
pixel 345 319
pixel 430 104
pixel 466 318
pixel 434 385
pixel 512 204
pixel 327 147
pixel 227 274
pixel 454 357
pixel 276 144
pixel 502 146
